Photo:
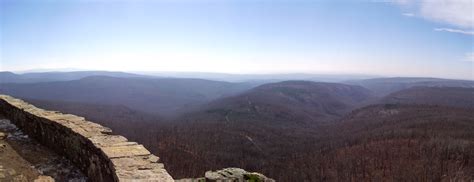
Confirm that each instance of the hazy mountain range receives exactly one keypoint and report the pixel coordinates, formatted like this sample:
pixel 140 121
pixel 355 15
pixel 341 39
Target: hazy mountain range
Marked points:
pixel 260 77
pixel 163 96
pixel 385 86
pixel 51 75
pixel 33 77
pixel 407 129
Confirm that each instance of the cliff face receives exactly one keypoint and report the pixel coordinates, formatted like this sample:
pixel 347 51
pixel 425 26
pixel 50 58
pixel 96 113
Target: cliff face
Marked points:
pixel 91 147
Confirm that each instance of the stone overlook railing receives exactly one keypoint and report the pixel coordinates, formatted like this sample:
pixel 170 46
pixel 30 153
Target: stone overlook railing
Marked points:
pixel 90 146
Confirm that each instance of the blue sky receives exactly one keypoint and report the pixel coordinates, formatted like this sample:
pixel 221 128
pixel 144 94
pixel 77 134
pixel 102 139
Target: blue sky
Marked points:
pixel 398 38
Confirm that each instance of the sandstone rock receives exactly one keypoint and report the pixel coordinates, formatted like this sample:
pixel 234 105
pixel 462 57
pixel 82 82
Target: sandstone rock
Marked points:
pixel 2 135
pixel 144 175
pixel 153 158
pixel 125 151
pixel 44 179
pixel 11 172
pixel 106 140
pixel 236 175
pixel 20 178
pixel 191 180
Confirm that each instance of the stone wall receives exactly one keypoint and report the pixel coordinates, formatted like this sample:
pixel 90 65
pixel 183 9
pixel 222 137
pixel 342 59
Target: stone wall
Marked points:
pixel 99 154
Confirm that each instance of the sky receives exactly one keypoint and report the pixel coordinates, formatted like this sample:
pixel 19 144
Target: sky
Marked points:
pixel 433 38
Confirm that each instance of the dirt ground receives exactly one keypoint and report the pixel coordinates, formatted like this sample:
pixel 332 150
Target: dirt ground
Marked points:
pixel 24 159
pixel 13 167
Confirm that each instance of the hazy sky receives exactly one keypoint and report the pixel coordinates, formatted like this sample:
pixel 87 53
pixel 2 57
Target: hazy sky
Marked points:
pixel 405 37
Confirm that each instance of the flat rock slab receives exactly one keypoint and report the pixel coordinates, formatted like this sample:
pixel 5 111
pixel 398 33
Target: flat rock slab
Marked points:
pixel 125 151
pixel 156 175
pixel 107 140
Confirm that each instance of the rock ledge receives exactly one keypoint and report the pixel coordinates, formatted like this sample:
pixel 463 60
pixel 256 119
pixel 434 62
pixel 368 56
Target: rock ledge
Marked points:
pixel 92 147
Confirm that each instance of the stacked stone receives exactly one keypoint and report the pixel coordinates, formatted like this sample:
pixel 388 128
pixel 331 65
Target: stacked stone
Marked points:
pixel 92 147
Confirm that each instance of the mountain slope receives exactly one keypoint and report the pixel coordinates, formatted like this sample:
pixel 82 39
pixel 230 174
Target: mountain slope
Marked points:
pixel 283 131
pixel 7 77
pixel 385 86
pixel 394 142
pixel 258 129
pixel 401 143
pixel 296 101
pixel 164 96
pixel 122 120
pixel 446 96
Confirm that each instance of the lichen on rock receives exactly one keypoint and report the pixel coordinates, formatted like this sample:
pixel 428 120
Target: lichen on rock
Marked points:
pixel 230 175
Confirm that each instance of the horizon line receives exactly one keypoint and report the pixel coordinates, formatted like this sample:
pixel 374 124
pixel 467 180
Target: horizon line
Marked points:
pixel 69 70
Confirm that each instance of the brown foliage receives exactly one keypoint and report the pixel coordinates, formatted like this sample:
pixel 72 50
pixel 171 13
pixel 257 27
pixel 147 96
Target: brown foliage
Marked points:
pixel 376 143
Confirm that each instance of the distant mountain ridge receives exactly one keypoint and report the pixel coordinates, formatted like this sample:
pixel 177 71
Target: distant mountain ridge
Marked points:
pixel 385 86
pixel 445 96
pixel 163 96
pixel 51 75
pixel 298 101
pixel 9 77
pixel 263 78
